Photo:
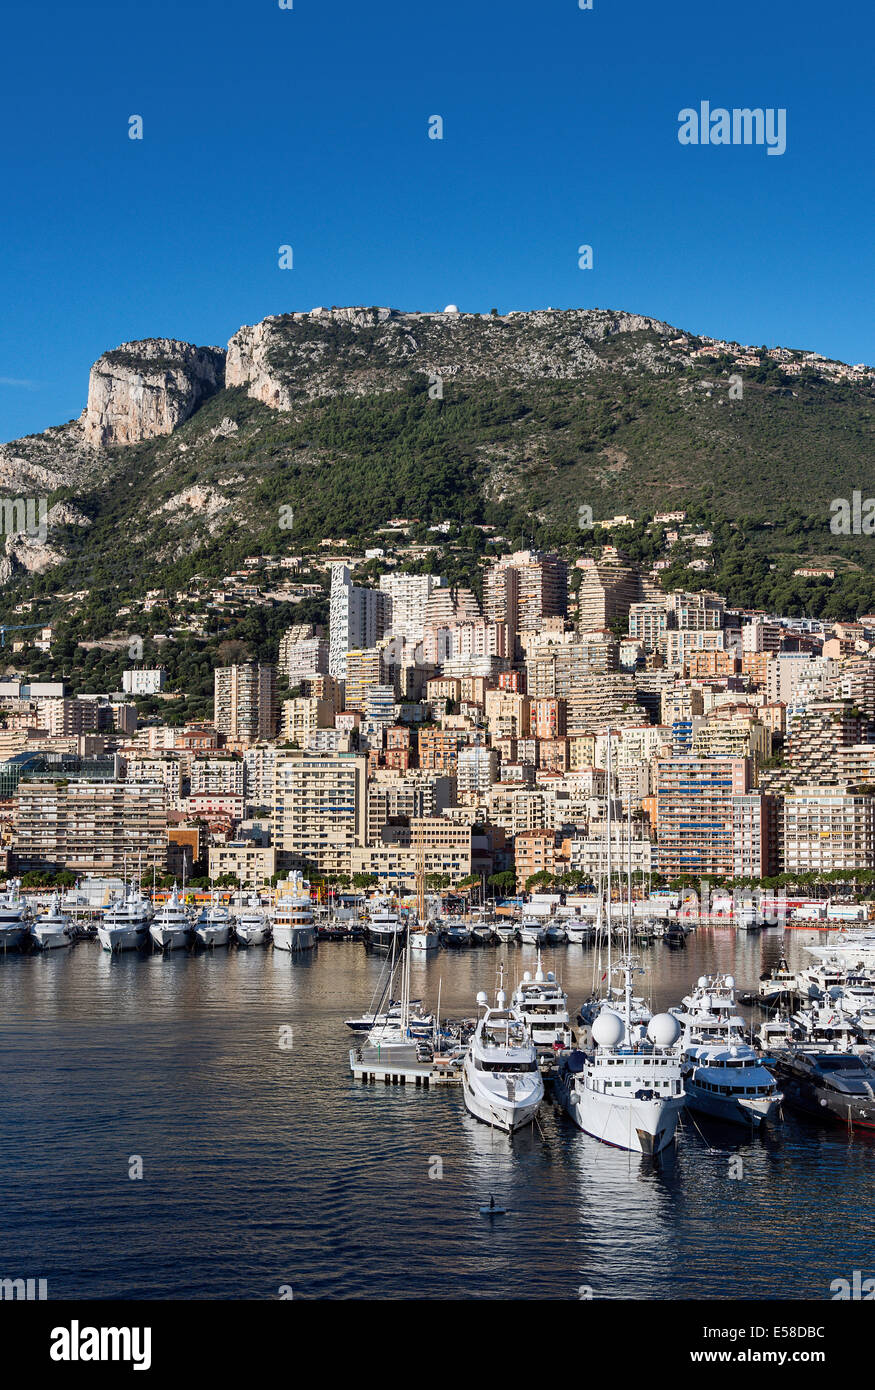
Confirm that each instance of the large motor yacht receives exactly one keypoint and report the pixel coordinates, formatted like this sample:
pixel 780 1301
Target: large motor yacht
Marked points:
pixel 293 925
pixel 14 917
pixel 829 1085
pixel 251 927
pixel 213 925
pixel 624 1092
pixel 125 923
pixel 170 928
pixel 52 929
pixel 542 1004
pixel 501 1080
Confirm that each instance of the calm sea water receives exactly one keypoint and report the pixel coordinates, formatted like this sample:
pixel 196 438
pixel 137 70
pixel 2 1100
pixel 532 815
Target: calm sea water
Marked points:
pixel 266 1166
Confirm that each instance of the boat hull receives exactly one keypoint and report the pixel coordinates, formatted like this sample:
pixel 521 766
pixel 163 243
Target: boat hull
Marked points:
pixel 49 939
pixel 508 1116
pixel 12 937
pixel 212 936
pixel 730 1109
pixel 170 938
pixel 287 938
pixel 122 938
pixel 251 936
pixel 638 1126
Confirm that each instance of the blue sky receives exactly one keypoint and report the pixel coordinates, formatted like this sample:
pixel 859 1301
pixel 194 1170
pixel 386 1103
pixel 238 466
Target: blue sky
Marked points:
pixel 309 127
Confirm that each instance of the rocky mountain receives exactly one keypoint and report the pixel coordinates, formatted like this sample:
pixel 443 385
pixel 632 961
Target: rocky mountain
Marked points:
pixel 350 416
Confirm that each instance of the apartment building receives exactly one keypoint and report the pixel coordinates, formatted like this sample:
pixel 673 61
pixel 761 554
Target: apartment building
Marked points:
pixel 319 810
pixel 827 828
pixel 695 813
pixel 358 619
pixel 245 702
pixel 90 827
pixel 252 865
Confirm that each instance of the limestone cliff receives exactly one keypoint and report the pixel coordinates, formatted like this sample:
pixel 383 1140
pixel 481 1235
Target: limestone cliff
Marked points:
pixel 144 389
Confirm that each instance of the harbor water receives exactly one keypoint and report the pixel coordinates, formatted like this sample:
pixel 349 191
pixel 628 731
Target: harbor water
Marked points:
pixel 187 1127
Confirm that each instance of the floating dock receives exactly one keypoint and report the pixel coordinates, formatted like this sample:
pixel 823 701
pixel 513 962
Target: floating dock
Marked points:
pixel 400 1066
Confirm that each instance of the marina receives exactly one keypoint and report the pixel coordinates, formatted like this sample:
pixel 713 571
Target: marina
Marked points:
pixel 260 1112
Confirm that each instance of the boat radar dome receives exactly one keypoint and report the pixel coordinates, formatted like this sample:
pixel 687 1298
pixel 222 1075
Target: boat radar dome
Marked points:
pixel 482 1000
pixel 730 982
pixel 663 1030
pixel 608 1029
pixel 702 981
pixel 501 998
pixel 451 309
pixel 527 977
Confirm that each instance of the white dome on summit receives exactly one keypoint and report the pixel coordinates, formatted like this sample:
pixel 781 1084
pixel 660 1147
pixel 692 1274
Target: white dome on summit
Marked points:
pixel 451 309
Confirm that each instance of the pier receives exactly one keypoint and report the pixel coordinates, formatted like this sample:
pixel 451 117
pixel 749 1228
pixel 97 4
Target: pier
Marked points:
pixel 401 1066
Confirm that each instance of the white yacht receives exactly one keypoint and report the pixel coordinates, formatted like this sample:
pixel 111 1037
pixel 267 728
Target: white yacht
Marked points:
pixel 423 940
pixel 777 984
pixel 125 923
pixel 52 929
pixel 293 925
pixel 850 949
pixel 14 917
pixel 213 925
pixel 251 927
pixel 856 999
pixel 542 1004
pixel 819 980
pixel 775 1034
pixel 824 1028
pixel 626 1095
pixel 710 1010
pixel 170 928
pixel 578 930
pixel 506 929
pixel 501 1080
pixel 533 932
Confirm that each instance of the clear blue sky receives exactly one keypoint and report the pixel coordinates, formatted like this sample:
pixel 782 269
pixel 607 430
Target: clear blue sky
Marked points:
pixel 308 127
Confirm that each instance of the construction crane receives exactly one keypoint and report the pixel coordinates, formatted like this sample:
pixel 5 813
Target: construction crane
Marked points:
pixel 16 627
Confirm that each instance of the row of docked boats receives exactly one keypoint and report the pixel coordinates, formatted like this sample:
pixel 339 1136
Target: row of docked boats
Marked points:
pixel 131 922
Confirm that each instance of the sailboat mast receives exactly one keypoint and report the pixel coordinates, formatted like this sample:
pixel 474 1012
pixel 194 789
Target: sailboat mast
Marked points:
pixel 610 849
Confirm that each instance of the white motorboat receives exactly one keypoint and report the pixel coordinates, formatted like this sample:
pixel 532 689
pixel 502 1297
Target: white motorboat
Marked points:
pixel 555 934
pixel 542 1004
pixel 292 923
pixel 424 940
pixel 501 1080
pixel 213 925
pixel 822 1027
pixel 777 984
pixel 506 930
pixel 819 980
pixel 52 929
pixel 170 928
pixel 125 923
pixel 856 999
pixel 251 927
pixel 578 930
pixel 533 932
pixel 15 916
pixel 775 1035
